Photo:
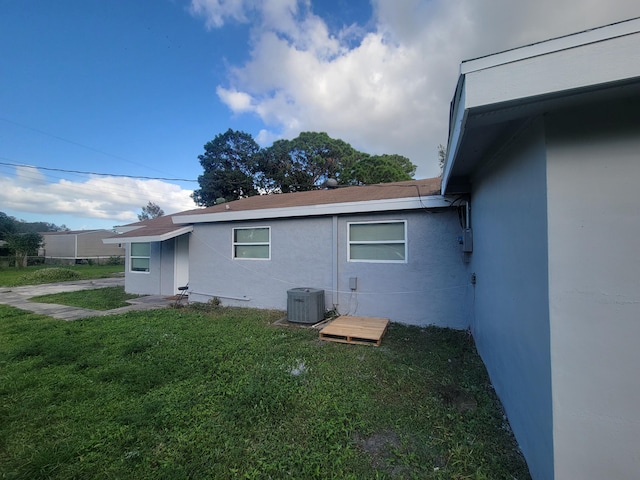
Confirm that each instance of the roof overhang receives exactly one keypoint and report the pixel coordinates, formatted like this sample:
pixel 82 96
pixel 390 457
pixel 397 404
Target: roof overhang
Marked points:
pixel 149 238
pixel 497 95
pixel 368 206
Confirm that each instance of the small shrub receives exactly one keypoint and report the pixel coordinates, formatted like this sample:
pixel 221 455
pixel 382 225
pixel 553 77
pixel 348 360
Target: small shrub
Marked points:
pixel 115 260
pixel 48 275
pixel 211 306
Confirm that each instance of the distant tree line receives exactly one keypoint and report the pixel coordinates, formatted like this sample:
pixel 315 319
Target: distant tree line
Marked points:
pixel 21 238
pixel 235 166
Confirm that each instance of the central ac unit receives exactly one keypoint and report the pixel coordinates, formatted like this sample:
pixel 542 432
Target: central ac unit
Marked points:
pixel 305 305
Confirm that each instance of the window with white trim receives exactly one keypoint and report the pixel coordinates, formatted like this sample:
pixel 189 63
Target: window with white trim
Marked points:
pixel 252 243
pixel 378 241
pixel 140 256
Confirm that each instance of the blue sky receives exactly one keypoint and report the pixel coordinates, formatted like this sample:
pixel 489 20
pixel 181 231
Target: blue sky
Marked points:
pixel 138 87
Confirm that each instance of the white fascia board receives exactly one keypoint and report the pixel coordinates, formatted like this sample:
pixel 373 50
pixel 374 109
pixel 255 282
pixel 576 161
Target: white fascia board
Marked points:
pixel 573 40
pixel 458 120
pixel 582 66
pixel 150 238
pixel 368 206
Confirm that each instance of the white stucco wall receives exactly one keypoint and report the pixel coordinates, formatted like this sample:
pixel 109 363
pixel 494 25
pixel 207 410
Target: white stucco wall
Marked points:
pixel 594 281
pixel 511 316
pixel 312 252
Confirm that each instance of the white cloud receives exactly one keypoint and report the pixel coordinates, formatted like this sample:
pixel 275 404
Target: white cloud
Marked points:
pixel 239 102
pixel 390 92
pixel 116 199
pixel 216 12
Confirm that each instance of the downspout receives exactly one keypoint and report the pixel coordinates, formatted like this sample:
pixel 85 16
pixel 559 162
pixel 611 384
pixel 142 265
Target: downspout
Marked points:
pixel 334 258
pixel 75 248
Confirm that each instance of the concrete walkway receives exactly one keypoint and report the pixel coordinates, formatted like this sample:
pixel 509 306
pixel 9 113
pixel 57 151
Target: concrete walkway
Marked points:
pixel 19 297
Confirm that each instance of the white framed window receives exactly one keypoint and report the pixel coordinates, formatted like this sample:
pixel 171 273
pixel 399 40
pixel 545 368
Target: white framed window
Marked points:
pixel 140 256
pixel 384 242
pixel 252 243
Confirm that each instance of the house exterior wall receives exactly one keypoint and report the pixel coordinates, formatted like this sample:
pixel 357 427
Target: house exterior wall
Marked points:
pixel 312 252
pixel 159 279
pixel 594 281
pixel 511 315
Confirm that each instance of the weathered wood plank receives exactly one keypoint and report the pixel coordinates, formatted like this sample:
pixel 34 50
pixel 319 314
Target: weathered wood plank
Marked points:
pixel 358 330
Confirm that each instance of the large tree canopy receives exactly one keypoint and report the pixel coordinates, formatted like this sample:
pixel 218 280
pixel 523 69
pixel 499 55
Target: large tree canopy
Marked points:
pixel 229 163
pixel 235 166
pixel 305 162
pixel 382 169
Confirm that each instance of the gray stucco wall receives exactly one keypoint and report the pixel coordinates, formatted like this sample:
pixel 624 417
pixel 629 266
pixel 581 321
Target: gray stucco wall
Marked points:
pixel 312 252
pixel 594 231
pixel 511 315
pixel 159 279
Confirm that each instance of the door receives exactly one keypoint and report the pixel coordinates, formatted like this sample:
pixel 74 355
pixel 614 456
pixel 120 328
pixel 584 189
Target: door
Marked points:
pixel 181 277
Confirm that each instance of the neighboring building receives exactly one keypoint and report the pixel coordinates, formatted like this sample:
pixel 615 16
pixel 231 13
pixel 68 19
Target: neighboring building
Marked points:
pixel 545 140
pixel 79 245
pixel 388 250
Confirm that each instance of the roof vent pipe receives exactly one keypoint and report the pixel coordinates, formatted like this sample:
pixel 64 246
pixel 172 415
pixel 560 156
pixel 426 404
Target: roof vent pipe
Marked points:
pixel 331 183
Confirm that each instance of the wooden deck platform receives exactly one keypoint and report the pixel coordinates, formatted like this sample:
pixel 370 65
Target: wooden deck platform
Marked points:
pixel 359 330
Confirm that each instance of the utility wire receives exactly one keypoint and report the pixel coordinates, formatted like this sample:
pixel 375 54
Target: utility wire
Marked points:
pixel 95 173
pixel 72 142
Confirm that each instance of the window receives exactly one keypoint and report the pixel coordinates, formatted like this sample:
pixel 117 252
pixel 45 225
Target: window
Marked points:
pixel 140 253
pixel 252 243
pixel 378 242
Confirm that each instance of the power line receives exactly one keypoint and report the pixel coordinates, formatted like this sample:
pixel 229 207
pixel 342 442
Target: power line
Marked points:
pixel 72 142
pixel 96 173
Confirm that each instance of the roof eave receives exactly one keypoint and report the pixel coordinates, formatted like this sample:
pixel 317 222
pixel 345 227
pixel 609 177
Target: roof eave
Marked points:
pixel 498 93
pixel 367 206
pixel 150 238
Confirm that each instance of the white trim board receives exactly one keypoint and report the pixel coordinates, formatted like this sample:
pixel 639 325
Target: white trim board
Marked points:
pixel 368 206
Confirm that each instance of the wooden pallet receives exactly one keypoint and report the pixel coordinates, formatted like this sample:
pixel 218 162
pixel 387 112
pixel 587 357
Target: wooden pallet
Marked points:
pixel 359 330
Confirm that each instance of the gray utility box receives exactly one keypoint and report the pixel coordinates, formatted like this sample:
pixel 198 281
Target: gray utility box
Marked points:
pixel 305 305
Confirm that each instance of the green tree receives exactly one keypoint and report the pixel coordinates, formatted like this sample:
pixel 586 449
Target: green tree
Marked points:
pixel 235 166
pixel 305 162
pixel 229 163
pixel 152 210
pixel 22 245
pixel 7 225
pixel 381 169
pixel 11 225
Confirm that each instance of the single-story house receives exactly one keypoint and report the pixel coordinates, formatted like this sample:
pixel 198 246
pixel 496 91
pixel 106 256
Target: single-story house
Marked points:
pixel 530 241
pixel 389 250
pixel 545 140
pixel 79 245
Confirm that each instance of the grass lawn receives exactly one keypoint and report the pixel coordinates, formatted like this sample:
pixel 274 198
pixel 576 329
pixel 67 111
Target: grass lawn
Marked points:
pixel 33 275
pixel 188 394
pixel 106 298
